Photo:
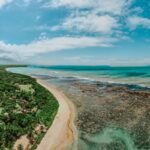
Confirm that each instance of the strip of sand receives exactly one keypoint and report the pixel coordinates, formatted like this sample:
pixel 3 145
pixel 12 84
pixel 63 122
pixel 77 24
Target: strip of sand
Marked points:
pixel 62 131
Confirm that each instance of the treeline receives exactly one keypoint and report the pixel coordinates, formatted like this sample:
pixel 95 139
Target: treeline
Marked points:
pixel 21 111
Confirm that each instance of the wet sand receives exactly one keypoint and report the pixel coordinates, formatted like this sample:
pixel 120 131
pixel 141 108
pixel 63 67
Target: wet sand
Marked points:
pixel 62 133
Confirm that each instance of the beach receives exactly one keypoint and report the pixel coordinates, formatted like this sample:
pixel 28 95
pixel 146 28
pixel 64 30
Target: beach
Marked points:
pixel 62 132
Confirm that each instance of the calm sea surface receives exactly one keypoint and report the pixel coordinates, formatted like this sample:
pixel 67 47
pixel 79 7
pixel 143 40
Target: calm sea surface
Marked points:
pixel 122 75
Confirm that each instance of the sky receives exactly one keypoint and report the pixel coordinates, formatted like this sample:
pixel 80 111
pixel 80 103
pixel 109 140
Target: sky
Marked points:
pixel 75 32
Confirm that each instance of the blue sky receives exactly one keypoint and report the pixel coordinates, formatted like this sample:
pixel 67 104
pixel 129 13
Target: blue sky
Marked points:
pixel 75 32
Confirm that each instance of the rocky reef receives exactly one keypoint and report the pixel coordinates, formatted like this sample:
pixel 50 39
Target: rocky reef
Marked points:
pixel 112 116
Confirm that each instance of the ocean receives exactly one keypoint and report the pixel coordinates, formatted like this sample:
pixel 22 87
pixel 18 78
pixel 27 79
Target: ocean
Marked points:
pixel 123 75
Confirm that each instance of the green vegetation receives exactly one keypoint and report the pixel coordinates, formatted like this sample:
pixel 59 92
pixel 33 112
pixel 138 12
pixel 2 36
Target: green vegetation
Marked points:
pixel 24 105
pixel 26 88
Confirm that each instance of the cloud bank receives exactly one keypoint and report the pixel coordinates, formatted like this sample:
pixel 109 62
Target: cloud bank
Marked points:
pixel 94 16
pixel 23 51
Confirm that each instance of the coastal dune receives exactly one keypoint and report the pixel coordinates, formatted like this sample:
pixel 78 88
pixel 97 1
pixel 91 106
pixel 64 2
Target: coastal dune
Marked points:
pixel 62 133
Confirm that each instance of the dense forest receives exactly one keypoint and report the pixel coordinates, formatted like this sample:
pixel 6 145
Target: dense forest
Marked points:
pixel 24 106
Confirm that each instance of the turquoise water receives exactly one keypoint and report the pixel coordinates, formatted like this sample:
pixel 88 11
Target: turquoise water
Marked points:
pixel 123 75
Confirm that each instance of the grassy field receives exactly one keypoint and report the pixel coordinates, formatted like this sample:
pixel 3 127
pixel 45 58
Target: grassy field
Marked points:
pixel 24 106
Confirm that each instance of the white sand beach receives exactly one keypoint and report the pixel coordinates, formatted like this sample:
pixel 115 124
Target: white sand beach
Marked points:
pixel 62 132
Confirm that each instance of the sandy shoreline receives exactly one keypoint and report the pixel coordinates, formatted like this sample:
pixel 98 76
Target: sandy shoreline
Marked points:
pixel 62 131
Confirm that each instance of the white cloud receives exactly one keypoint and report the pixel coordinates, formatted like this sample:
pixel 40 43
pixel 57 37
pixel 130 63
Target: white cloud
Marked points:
pixel 94 16
pixel 109 6
pixel 18 3
pixel 4 2
pixel 71 3
pixel 107 17
pixel 89 23
pixel 23 51
pixel 135 21
pixel 116 7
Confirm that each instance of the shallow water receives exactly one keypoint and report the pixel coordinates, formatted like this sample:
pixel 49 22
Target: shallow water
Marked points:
pixel 126 75
pixel 109 116
pixel 109 138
